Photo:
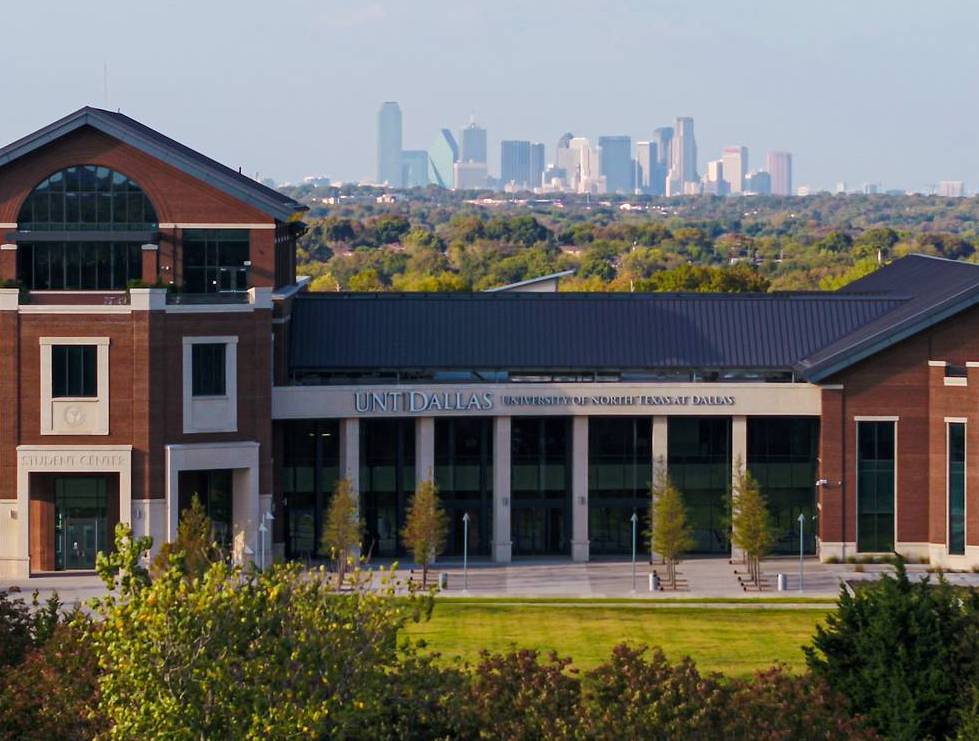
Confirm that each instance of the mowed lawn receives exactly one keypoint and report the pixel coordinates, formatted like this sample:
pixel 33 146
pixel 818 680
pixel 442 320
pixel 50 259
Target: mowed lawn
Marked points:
pixel 735 641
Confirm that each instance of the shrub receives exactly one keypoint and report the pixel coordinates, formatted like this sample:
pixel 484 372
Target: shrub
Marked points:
pixel 194 550
pixel 903 653
pixel 24 626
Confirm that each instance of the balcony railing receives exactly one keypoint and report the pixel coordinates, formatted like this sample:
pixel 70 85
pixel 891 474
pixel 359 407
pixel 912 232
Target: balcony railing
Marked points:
pixel 239 297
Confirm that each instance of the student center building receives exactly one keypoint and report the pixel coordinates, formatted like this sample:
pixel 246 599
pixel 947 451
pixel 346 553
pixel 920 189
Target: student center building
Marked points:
pixel 156 344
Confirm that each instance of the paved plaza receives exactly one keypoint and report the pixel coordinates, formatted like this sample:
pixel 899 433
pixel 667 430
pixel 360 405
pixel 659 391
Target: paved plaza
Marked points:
pixel 706 580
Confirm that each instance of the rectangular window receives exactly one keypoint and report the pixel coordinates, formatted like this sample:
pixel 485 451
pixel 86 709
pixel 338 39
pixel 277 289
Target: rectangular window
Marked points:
pixel 956 488
pixel 875 486
pixel 216 260
pixel 208 362
pixel 74 371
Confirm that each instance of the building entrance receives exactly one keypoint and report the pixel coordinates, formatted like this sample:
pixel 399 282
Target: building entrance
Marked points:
pixel 619 473
pixel 541 486
pixel 81 522
pixel 215 490
pixel 464 474
pixel 699 463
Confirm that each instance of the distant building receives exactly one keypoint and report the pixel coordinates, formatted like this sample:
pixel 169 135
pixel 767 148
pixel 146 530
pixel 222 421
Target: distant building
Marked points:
pixel 735 167
pixel 714 182
pixel 646 167
pixel 840 187
pixel 683 158
pixel 566 160
pixel 442 156
pixel 779 166
pixel 586 177
pixel 663 139
pixel 537 164
pixel 470 176
pixel 389 144
pixel 414 168
pixel 870 189
pixel 473 143
pixel 950 189
pixel 758 182
pixel 615 163
pixel 515 163
pixel 317 181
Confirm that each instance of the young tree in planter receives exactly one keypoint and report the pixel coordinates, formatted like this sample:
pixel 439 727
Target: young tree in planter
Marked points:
pixel 670 533
pixel 751 524
pixel 426 527
pixel 344 528
pixel 195 543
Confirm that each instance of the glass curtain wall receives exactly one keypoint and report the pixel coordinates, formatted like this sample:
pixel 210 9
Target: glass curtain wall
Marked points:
pixel 310 468
pixel 782 453
pixel 387 481
pixel 875 486
pixel 619 473
pixel 215 490
pixel 699 462
pixel 81 521
pixel 540 489
pixel 956 488
pixel 464 474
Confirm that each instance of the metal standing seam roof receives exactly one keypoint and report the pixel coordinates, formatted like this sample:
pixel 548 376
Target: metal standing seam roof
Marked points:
pixel 335 331
pixel 265 199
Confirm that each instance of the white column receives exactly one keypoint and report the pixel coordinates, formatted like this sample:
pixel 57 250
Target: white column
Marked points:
pixel 660 434
pixel 502 545
pixel 739 461
pixel 350 453
pixel 424 449
pixel 579 489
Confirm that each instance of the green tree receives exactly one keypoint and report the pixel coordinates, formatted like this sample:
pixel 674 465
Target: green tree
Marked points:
pixel 245 654
pixel 751 523
pixel 426 527
pixel 903 652
pixel 366 280
pixel 194 550
pixel 670 534
pixel 344 528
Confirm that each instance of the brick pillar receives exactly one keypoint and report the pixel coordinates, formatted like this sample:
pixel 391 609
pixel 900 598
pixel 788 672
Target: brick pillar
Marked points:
pixel 150 262
pixel 8 262
pixel 836 528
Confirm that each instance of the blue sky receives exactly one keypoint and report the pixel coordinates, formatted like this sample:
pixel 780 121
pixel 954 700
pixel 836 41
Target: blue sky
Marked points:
pixel 859 90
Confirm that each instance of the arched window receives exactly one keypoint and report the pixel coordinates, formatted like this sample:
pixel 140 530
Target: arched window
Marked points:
pixel 82 229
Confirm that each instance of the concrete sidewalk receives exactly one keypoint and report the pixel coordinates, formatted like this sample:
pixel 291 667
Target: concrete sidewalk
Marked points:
pixel 706 579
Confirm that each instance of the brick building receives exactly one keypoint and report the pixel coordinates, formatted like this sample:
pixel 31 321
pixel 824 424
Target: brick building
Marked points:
pixel 158 345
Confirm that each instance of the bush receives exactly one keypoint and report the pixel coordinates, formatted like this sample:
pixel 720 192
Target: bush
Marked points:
pixel 903 653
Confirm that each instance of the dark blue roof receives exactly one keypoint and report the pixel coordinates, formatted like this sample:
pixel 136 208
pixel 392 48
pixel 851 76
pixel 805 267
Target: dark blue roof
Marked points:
pixel 123 128
pixel 814 334
pixel 569 330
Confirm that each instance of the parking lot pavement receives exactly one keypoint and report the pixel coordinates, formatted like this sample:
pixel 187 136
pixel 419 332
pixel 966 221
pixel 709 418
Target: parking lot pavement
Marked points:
pixel 704 579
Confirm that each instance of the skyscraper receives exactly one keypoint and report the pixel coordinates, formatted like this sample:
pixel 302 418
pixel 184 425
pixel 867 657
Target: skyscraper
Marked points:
pixel 442 156
pixel 470 175
pixel 537 165
pixel 758 182
pixel 567 160
pixel 714 182
pixel 414 168
pixel 950 189
pixel 473 143
pixel 615 163
pixel 735 161
pixel 663 139
pixel 515 163
pixel 683 158
pixel 586 176
pixel 389 144
pixel 646 167
pixel 780 169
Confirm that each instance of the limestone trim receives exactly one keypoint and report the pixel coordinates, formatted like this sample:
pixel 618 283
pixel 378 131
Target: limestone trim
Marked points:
pixel 211 413
pixel 240 457
pixel 66 459
pixel 71 415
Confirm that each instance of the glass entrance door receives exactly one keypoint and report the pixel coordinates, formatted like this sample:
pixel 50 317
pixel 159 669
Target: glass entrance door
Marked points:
pixel 541 486
pixel 81 522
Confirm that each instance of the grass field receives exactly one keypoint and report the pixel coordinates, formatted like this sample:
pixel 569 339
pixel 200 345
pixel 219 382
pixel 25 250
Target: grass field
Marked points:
pixel 735 641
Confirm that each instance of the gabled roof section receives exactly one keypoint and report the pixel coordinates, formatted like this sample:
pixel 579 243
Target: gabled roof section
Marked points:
pixel 154 143
pixel 555 277
pixel 927 290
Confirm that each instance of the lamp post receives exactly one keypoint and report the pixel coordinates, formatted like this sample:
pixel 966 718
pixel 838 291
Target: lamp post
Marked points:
pixel 465 552
pixel 802 527
pixel 635 521
pixel 261 545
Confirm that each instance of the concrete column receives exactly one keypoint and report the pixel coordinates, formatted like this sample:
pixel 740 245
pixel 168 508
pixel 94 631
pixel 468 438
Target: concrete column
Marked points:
pixel 660 437
pixel 424 449
pixel 502 545
pixel 579 489
pixel 739 462
pixel 350 453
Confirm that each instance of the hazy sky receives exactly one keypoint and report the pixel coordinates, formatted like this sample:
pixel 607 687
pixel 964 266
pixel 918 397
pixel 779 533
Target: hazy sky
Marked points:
pixel 859 90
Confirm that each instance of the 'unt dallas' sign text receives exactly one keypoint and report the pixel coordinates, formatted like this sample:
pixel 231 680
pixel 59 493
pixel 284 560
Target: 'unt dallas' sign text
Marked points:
pixel 421 402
